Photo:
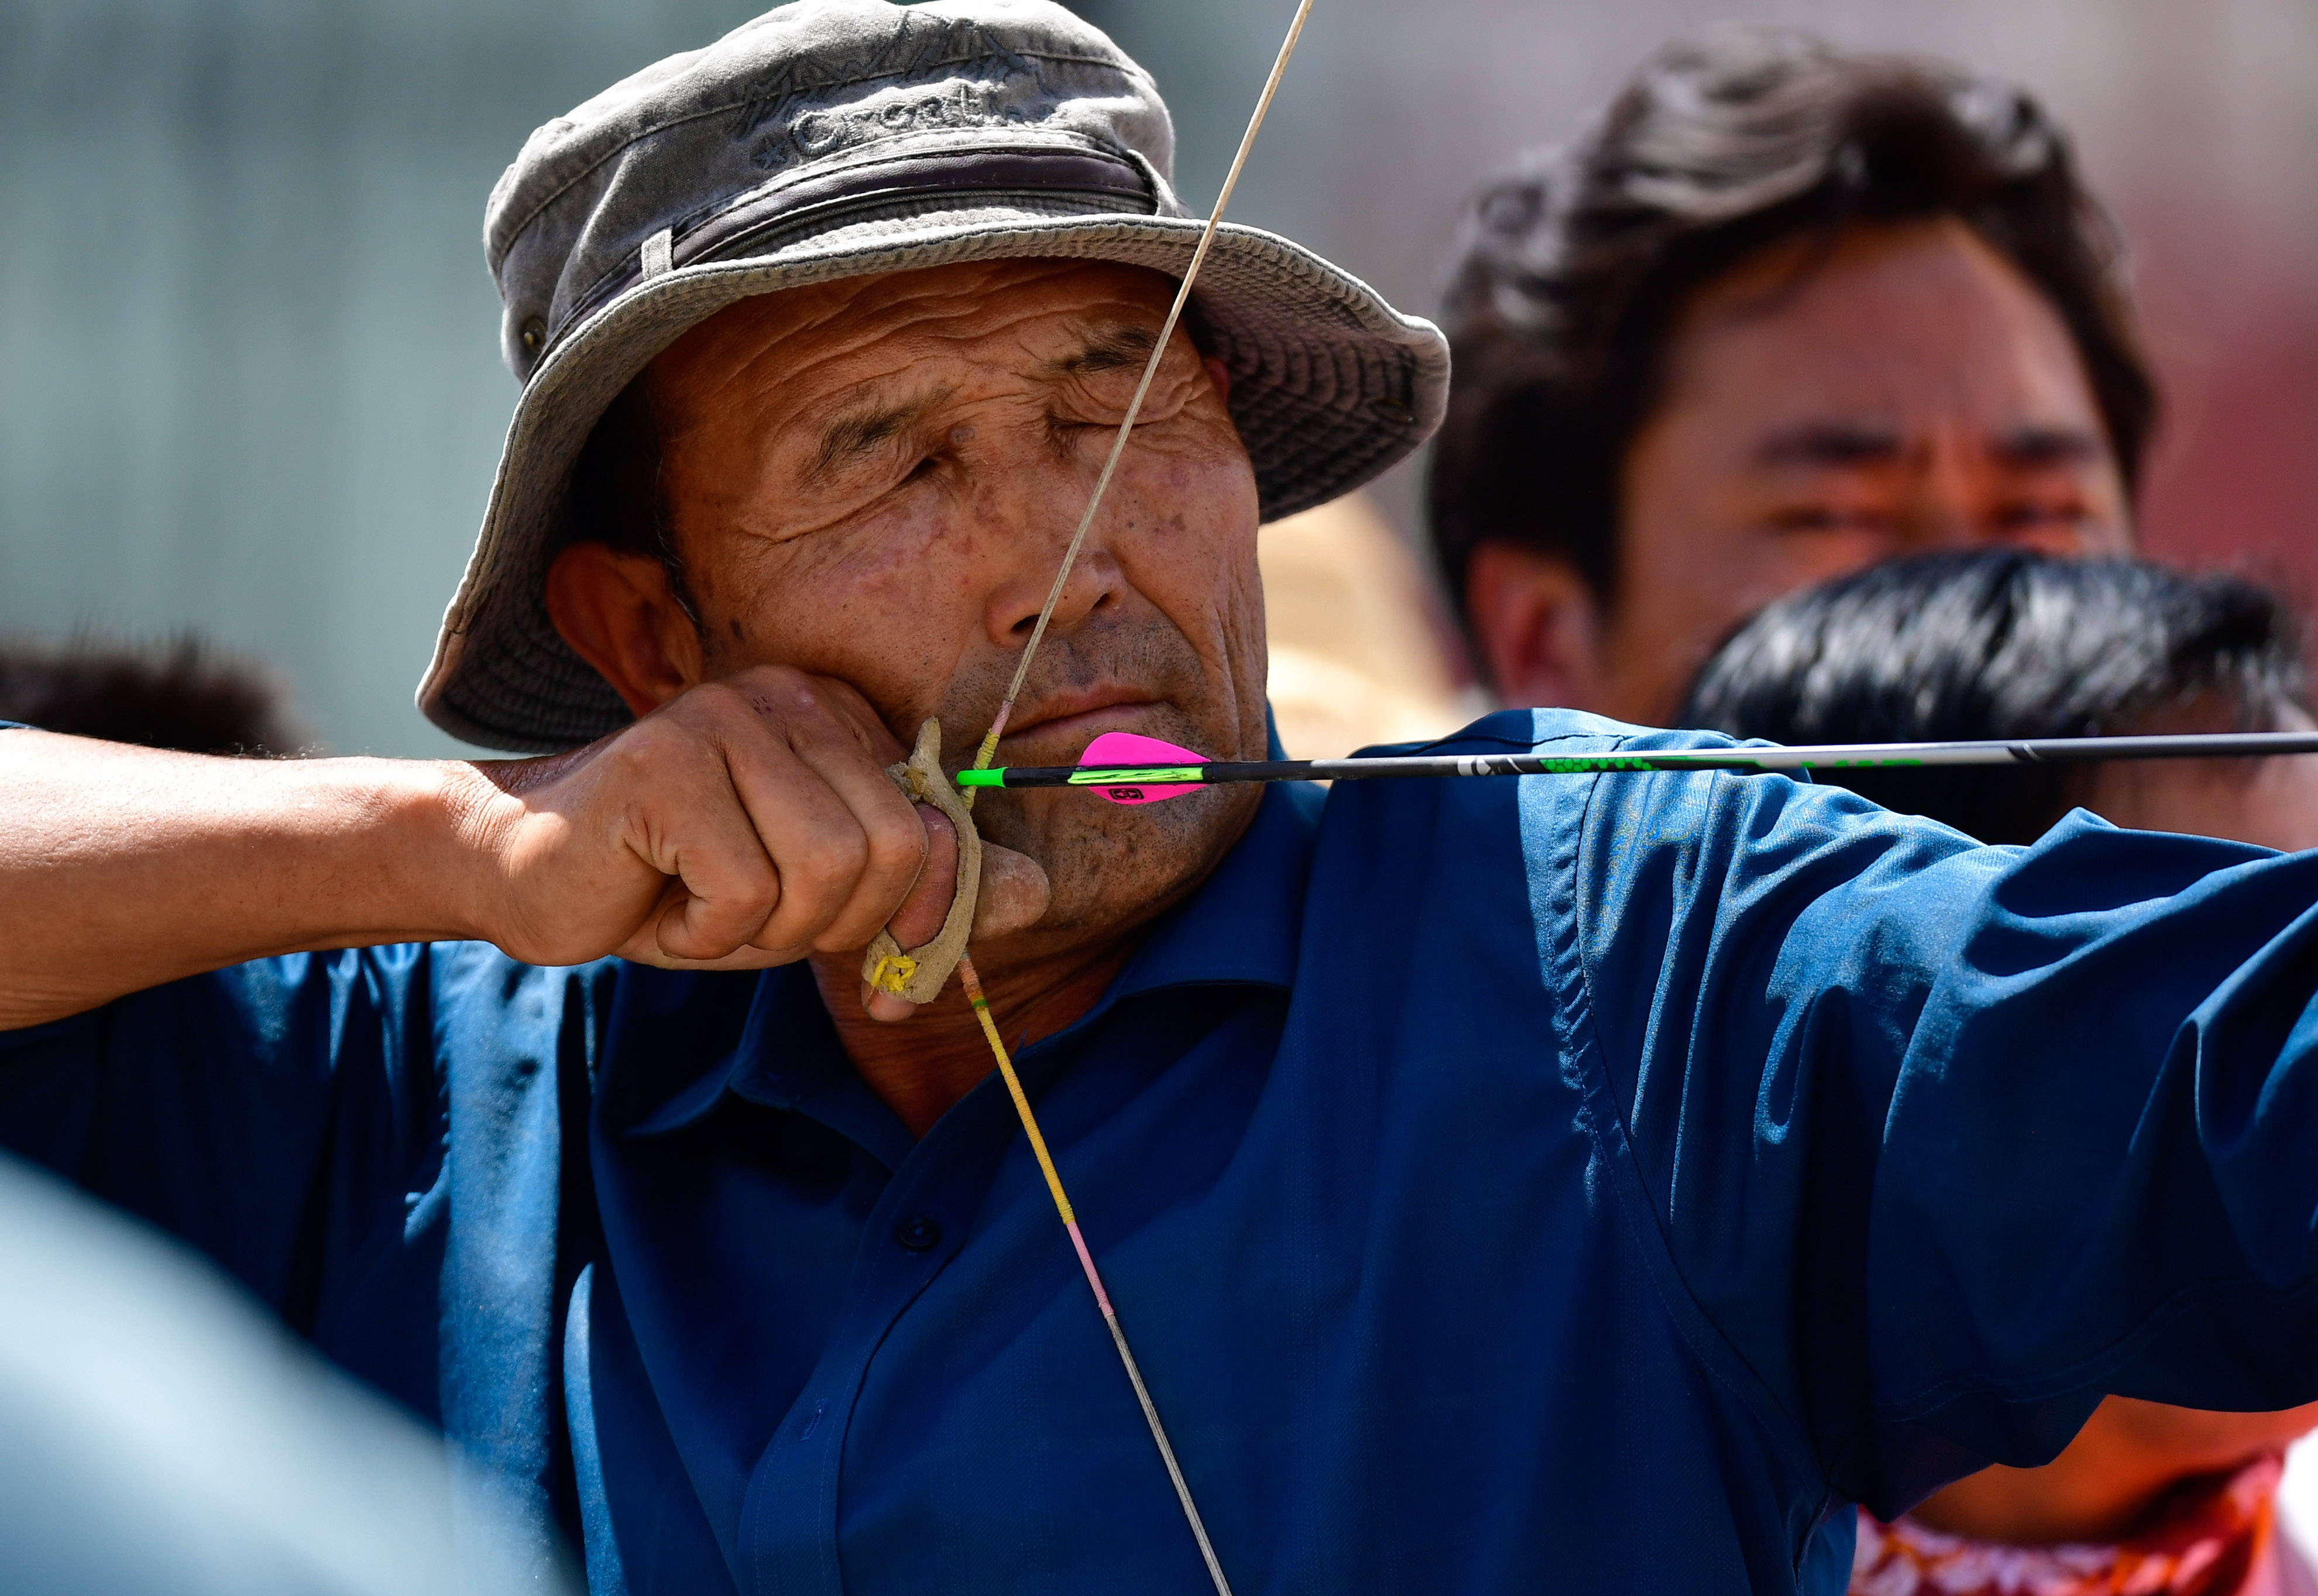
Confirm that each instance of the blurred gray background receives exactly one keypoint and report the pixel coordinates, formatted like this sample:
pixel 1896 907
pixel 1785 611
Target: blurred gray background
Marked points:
pixel 248 371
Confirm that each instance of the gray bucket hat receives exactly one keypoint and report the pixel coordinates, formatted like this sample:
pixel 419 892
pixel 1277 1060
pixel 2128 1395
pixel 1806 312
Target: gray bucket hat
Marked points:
pixel 833 139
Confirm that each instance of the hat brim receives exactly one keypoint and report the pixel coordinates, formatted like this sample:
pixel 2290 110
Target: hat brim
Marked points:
pixel 1330 386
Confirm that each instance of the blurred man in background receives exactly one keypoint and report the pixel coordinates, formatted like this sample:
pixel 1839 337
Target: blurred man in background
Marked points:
pixel 1780 313
pixel 2001 644
pixel 182 694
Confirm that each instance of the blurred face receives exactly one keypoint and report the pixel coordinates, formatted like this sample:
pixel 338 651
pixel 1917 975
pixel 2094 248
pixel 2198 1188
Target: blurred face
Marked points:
pixel 875 480
pixel 1908 389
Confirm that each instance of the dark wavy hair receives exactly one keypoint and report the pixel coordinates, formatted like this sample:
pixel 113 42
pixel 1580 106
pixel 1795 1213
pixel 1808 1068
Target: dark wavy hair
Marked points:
pixel 1574 265
pixel 1996 644
pixel 181 694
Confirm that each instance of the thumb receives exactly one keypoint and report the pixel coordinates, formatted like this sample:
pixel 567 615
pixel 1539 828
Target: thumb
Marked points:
pixel 1015 892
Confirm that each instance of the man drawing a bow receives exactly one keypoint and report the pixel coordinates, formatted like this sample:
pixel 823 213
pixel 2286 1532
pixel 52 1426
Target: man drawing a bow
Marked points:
pixel 1590 1182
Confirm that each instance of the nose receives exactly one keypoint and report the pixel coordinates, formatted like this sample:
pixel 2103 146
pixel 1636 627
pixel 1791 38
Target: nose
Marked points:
pixel 1092 582
pixel 1942 510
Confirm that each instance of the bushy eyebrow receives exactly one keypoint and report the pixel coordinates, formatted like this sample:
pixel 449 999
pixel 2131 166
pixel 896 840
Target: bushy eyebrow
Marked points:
pixel 855 433
pixel 1111 346
pixel 1830 443
pixel 2031 447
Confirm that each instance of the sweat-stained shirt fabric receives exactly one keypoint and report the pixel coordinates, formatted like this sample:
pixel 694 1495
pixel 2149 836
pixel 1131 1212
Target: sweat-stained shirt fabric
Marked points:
pixel 1578 1182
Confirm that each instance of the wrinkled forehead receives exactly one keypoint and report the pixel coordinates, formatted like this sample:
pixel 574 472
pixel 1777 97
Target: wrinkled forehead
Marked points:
pixel 1005 322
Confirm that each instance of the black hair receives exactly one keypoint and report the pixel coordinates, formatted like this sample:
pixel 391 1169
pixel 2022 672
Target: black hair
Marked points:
pixel 1574 267
pixel 614 496
pixel 181 694
pixel 1993 644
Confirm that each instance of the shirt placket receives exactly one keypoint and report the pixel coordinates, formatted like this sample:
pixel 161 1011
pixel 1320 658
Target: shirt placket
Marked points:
pixel 789 1518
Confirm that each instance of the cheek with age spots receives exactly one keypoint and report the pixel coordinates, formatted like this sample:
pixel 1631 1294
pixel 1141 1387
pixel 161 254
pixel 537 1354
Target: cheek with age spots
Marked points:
pixel 858 603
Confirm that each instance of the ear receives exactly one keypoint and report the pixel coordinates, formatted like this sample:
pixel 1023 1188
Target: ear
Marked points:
pixel 1220 375
pixel 619 612
pixel 1537 624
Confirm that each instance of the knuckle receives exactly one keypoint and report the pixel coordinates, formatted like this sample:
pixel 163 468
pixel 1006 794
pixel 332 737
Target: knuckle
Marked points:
pixel 815 724
pixel 719 704
pixel 897 846
pixel 785 702
pixel 749 890
pixel 654 746
pixel 831 864
pixel 634 748
pixel 751 906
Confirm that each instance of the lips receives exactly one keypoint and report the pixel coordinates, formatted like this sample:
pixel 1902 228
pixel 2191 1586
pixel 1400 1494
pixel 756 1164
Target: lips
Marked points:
pixel 1060 727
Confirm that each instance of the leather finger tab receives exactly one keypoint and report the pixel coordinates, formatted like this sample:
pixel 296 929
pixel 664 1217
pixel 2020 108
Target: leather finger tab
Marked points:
pixel 919 974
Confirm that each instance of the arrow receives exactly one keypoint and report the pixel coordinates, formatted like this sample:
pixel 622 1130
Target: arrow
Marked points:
pixel 1126 768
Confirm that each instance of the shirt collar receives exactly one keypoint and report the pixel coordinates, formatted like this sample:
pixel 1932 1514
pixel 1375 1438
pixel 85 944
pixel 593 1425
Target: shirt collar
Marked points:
pixel 1241 927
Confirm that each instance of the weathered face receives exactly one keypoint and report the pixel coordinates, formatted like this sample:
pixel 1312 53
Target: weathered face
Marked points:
pixel 875 480
pixel 1820 410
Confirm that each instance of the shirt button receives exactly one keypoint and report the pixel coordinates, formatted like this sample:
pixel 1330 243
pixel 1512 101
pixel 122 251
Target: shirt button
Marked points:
pixel 919 1233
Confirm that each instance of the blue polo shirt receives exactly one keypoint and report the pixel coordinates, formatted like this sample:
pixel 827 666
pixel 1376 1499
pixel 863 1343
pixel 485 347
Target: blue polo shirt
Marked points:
pixel 1577 1183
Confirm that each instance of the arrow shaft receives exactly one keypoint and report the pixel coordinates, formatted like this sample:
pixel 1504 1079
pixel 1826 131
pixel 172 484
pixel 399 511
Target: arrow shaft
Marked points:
pixel 1824 756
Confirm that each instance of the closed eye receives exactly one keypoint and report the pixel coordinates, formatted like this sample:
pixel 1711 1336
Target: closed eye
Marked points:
pixel 2029 513
pixel 1098 408
pixel 859 435
pixel 1065 433
pixel 1828 518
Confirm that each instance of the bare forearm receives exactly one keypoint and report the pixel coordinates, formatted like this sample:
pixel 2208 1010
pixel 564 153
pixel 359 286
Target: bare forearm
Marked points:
pixel 121 867
pixel 743 824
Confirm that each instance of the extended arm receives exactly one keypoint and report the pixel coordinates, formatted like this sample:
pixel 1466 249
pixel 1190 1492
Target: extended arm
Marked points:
pixel 121 867
pixel 748 823
pixel 1948 1142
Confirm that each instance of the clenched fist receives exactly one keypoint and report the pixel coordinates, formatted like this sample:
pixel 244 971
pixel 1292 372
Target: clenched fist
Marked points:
pixel 748 822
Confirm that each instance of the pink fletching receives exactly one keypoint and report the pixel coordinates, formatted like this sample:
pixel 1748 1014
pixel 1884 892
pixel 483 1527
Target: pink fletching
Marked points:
pixel 1125 748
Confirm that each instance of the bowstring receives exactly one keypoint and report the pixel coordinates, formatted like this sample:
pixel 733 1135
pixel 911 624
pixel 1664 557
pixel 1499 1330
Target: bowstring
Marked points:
pixel 989 750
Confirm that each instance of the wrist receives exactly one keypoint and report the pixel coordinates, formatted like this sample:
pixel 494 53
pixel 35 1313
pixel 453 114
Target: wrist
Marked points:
pixel 468 818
